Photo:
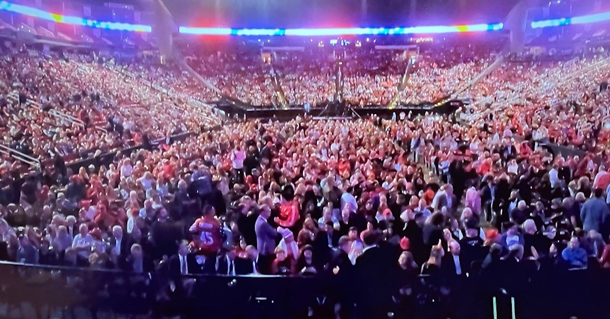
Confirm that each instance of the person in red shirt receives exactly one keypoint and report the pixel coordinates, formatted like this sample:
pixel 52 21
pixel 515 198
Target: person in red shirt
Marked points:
pixel 206 233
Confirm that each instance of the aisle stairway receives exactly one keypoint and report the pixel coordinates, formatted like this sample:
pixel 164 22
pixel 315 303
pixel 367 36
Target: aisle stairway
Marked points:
pixel 497 63
pixel 339 80
pixel 404 79
pixel 21 157
pixel 277 88
pixel 14 97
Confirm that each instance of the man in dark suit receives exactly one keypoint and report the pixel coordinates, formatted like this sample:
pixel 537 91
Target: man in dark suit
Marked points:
pixel 71 226
pixel 414 232
pixel 164 235
pixel 265 241
pixel 487 189
pixel 183 263
pixel 343 270
pixel 119 245
pixel 332 236
pixel 139 267
pixel 508 151
pixel 452 264
pixel 448 199
pixel 245 223
pixel 372 271
pixel 136 262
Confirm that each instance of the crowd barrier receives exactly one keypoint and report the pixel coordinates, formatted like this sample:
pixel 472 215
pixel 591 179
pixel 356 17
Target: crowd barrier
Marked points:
pixel 338 110
pixel 567 294
pixel 564 151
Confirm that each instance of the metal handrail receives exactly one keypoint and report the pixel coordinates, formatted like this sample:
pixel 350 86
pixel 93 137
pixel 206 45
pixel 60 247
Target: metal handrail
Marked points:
pixel 19 156
pixel 497 62
pixel 587 70
pixel 402 85
pixel 67 117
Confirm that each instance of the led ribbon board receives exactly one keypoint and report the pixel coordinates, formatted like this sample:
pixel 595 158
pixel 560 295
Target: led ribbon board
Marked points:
pixel 343 31
pixel 10 7
pixel 591 18
pixel 30 11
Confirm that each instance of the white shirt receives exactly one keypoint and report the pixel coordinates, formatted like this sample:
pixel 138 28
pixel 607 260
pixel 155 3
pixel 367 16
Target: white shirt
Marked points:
pixel 458 267
pixel 254 271
pixel 117 248
pixel 131 222
pixel 90 213
pixel 349 199
pixel 86 241
pixel 231 267
pixel 238 159
pixel 184 264
pixel 163 190
pixel 146 183
pixel 512 168
pixel 126 170
pixel 554 177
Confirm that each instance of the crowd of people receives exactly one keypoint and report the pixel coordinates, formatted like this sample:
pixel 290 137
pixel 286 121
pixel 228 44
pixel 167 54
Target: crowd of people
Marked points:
pixel 306 77
pixel 240 75
pixel 362 76
pixel 536 97
pixel 74 106
pixel 372 203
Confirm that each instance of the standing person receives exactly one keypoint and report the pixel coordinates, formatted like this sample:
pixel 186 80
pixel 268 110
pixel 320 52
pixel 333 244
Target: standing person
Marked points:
pixel 342 268
pixel 453 265
pixel 206 232
pixel 447 199
pixel 595 214
pixel 371 270
pixel 119 245
pixel 237 158
pixel 265 240
pixel 413 231
pixel 183 263
pixel 137 262
pixel 27 253
pixel 433 231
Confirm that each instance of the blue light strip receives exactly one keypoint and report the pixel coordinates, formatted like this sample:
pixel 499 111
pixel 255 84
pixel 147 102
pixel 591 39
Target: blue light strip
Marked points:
pixel 343 31
pixel 592 18
pixel 10 7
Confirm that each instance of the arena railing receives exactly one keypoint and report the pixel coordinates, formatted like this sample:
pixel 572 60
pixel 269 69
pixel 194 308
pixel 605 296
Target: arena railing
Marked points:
pixel 53 112
pixel 22 157
pixel 548 294
pixel 402 84
pixel 494 65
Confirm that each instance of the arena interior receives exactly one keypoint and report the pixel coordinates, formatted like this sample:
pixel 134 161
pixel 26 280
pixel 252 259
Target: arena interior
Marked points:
pixel 268 159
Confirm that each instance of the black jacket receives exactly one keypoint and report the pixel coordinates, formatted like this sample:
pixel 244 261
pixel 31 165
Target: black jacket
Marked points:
pixel 192 266
pixel 372 272
pixel 449 269
pixel 416 240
